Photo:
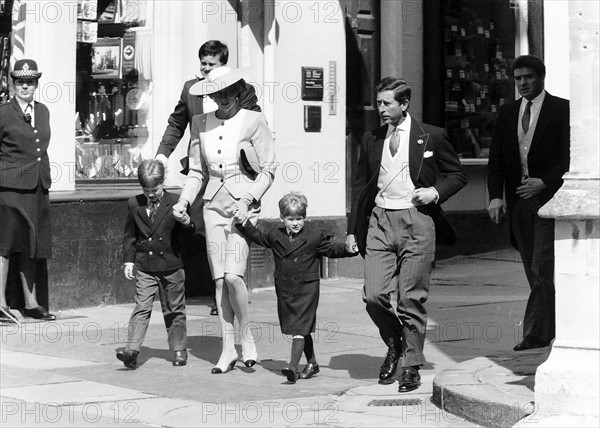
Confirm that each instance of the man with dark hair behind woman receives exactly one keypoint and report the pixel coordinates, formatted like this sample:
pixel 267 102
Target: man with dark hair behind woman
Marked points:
pixel 296 249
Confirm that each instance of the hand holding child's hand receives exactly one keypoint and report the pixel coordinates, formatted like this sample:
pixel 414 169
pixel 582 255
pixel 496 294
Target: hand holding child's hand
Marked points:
pixel 179 209
pixel 185 219
pixel 351 246
pixel 240 212
pixel 128 271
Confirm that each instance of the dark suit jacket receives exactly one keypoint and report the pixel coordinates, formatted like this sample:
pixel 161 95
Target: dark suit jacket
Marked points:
pixel 24 158
pixel 297 275
pixel 153 247
pixel 189 106
pixel 442 170
pixel 549 153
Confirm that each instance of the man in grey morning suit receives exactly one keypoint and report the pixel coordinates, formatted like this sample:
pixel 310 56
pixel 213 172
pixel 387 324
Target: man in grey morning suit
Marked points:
pixel 405 170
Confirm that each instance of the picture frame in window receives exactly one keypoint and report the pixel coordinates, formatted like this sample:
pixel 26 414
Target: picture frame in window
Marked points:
pixel 106 58
pixel 109 14
pixel 87 10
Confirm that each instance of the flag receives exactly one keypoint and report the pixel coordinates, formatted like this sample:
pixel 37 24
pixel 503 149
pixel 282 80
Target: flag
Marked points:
pixel 18 31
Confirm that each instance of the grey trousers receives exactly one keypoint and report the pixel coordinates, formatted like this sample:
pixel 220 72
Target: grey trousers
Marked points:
pixel 399 256
pixel 171 290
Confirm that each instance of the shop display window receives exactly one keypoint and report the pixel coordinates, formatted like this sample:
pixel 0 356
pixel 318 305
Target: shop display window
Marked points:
pixel 477 48
pixel 114 84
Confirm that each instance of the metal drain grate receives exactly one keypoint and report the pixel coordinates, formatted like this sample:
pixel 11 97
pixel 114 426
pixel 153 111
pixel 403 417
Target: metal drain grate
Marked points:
pixel 394 402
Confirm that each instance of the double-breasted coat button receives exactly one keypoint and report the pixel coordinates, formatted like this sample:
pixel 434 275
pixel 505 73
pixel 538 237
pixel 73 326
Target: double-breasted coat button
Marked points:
pixel 160 239
pixel 150 253
pixel 296 259
pixel 150 239
pixel 219 151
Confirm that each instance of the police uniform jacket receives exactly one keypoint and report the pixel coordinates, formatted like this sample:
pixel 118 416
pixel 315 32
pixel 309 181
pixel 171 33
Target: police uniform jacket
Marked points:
pixel 24 158
pixel 153 246
pixel 296 272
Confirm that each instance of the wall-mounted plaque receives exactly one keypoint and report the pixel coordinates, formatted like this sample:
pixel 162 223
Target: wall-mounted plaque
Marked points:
pixel 312 118
pixel 312 83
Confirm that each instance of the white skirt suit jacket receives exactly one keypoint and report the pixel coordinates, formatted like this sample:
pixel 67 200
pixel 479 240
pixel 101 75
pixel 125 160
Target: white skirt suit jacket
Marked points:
pixel 214 158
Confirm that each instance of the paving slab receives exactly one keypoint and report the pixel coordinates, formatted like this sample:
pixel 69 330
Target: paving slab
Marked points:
pixel 475 307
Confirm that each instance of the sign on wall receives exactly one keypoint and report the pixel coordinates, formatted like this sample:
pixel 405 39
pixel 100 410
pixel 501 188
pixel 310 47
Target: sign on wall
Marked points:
pixel 312 83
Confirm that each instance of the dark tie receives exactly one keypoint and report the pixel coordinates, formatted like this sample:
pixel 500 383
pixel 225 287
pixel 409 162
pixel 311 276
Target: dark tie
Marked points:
pixel 526 117
pixel 394 142
pixel 153 206
pixel 28 111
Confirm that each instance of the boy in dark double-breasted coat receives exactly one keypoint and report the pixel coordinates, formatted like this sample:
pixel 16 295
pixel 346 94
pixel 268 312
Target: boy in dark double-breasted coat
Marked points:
pixel 152 244
pixel 296 250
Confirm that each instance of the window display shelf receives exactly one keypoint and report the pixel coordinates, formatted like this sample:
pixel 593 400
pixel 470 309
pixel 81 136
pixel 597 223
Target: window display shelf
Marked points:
pixel 114 87
pixel 476 42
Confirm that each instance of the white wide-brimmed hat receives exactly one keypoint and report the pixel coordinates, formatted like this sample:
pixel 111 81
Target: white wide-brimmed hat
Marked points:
pixel 219 78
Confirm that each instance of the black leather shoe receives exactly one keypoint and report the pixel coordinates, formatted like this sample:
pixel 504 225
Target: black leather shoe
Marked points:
pixel 7 316
pixel 291 374
pixel 180 358
pixel 214 310
pixel 39 313
pixel 129 358
pixel 530 342
pixel 309 371
pixel 388 368
pixel 409 380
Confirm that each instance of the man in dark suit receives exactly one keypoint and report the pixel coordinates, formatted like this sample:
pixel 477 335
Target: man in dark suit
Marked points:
pixel 405 170
pixel 212 54
pixel 528 157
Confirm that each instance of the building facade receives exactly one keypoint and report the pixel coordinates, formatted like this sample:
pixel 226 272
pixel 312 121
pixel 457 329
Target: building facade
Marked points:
pixel 114 70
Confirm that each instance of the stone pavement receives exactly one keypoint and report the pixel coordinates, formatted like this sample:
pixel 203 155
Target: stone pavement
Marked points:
pixel 65 373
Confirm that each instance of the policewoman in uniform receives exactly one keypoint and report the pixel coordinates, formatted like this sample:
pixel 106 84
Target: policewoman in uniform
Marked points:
pixel 24 183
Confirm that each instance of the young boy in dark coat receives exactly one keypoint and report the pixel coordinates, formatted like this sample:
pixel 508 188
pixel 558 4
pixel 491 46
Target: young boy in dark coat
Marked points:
pixel 296 249
pixel 151 243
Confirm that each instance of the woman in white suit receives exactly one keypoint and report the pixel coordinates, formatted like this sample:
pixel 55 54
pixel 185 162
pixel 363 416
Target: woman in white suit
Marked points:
pixel 221 144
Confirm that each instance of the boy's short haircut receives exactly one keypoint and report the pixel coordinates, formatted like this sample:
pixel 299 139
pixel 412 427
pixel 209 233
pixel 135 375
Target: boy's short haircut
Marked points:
pixel 151 173
pixel 292 204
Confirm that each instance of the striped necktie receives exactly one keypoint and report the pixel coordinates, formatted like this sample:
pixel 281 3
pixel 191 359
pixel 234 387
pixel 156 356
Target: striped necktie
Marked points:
pixel 394 142
pixel 526 117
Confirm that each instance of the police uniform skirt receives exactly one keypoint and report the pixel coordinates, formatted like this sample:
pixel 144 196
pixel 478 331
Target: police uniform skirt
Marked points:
pixel 25 222
pixel 228 250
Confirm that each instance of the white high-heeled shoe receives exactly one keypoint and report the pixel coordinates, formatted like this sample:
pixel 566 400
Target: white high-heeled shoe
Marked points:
pixel 249 353
pixel 227 366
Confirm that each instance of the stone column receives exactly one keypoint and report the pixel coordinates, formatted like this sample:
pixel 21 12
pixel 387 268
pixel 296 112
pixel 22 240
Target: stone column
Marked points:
pixel 567 387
